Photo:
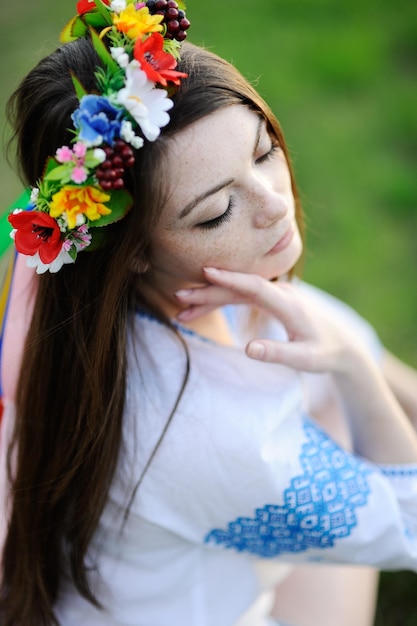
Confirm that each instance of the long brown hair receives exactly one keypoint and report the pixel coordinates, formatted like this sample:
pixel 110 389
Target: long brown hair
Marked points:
pixel 70 399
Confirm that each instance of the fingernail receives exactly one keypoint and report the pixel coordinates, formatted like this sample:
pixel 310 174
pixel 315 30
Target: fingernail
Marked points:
pixel 211 270
pixel 256 350
pixel 183 293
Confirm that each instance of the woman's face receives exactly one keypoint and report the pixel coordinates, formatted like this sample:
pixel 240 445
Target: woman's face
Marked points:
pixel 230 204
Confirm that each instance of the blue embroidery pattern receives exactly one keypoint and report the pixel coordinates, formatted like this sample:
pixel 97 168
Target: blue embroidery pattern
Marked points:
pixel 319 506
pixel 399 471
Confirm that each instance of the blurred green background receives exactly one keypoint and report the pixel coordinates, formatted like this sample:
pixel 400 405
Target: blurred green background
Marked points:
pixel 341 77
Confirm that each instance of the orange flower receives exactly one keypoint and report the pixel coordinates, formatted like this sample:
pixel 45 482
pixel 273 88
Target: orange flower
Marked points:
pixel 75 201
pixel 136 23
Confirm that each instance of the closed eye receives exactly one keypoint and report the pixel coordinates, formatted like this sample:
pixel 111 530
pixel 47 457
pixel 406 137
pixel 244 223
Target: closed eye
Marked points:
pixel 275 147
pixel 218 221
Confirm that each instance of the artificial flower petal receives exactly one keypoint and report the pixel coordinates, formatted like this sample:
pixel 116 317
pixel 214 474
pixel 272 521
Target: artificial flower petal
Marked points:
pixel 147 105
pixel 64 154
pixel 82 187
pixel 85 6
pixel 118 5
pixel 136 23
pixel 97 120
pixel 120 56
pixel 158 65
pixel 79 175
pixel 72 201
pixel 54 266
pixel 36 232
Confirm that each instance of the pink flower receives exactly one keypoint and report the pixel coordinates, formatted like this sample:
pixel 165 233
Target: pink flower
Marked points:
pixel 79 150
pixel 64 154
pixel 79 175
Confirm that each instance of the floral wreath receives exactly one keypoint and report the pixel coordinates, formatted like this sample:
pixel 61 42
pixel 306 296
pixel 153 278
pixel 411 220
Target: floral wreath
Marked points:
pixel 82 186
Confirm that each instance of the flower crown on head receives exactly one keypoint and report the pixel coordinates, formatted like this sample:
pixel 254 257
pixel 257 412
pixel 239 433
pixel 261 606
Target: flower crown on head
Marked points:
pixel 82 187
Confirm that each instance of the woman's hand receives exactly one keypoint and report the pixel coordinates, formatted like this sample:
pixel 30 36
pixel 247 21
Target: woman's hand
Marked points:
pixel 316 343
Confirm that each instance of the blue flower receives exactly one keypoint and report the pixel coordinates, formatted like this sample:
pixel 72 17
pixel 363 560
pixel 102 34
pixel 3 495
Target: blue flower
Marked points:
pixel 97 120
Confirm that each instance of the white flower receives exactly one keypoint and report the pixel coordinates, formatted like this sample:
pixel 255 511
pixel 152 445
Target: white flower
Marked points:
pixel 99 154
pixel 127 133
pixel 62 221
pixel 80 219
pixel 118 5
pixel 35 262
pixel 120 56
pixel 146 104
pixel 34 195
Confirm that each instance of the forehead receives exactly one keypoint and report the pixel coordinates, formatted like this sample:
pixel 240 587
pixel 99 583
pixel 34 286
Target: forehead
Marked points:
pixel 208 151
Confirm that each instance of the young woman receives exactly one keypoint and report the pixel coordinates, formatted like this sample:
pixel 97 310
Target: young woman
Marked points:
pixel 163 463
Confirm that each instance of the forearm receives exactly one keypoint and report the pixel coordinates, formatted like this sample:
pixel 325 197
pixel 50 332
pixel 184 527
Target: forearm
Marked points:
pixel 403 381
pixel 380 429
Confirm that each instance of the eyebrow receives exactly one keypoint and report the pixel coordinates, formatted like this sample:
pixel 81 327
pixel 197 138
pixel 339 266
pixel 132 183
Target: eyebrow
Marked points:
pixel 210 192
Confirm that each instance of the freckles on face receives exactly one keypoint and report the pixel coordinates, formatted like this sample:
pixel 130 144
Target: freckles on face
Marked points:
pixel 230 202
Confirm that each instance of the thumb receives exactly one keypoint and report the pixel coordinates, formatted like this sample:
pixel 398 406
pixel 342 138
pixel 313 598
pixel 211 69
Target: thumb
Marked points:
pixel 297 355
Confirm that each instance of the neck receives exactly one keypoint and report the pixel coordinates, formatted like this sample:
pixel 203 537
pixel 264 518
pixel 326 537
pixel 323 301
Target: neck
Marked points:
pixel 212 325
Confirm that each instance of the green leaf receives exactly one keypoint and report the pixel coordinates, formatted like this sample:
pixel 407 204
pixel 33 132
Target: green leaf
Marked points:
pixel 96 20
pixel 72 30
pixel 61 172
pixel 90 160
pixel 79 89
pixel 103 9
pixel 109 83
pixel 75 29
pixel 73 252
pixel 51 164
pixel 103 53
pixel 120 203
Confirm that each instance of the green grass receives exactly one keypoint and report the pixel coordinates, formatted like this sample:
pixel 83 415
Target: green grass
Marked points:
pixel 342 78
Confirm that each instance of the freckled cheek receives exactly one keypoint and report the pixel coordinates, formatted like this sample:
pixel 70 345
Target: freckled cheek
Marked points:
pixel 185 257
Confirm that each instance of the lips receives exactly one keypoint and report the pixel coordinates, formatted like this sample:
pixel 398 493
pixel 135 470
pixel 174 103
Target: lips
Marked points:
pixel 283 242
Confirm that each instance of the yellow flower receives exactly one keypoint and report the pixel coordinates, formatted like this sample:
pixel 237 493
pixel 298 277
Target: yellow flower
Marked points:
pixel 137 23
pixel 75 201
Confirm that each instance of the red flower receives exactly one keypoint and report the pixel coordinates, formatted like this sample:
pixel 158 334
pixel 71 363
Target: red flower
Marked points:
pixel 36 232
pixel 84 6
pixel 157 64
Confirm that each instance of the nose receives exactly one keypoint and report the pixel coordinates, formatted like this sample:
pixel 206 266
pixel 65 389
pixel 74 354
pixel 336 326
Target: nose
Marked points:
pixel 269 205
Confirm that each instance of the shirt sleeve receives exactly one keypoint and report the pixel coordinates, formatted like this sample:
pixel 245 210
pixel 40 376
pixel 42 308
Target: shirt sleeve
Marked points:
pixel 242 469
pixel 338 508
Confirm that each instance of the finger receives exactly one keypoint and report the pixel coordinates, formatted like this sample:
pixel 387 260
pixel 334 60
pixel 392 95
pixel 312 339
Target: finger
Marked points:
pixel 280 299
pixel 210 295
pixel 297 355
